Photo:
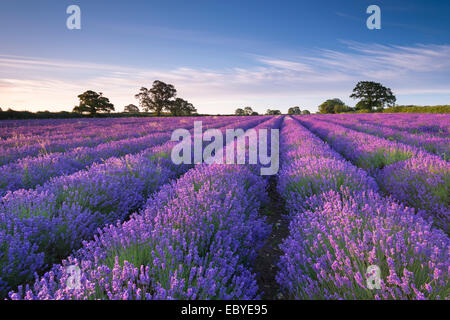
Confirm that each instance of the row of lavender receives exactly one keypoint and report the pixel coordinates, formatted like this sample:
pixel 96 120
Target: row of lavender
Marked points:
pixel 424 123
pixel 437 144
pixel 411 175
pixel 85 132
pixel 36 129
pixel 89 136
pixel 71 130
pixel 32 171
pixel 40 227
pixel 195 239
pixel 340 225
pixel 9 155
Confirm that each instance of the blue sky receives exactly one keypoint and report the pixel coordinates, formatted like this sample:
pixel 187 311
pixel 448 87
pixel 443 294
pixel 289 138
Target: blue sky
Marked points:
pixel 221 55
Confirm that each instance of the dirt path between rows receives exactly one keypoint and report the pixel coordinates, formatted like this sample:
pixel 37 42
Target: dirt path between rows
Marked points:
pixel 266 263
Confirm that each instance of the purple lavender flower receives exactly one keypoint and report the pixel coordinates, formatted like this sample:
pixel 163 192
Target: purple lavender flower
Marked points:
pixel 339 229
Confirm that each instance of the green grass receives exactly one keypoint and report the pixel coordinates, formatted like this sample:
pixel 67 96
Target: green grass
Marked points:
pixel 383 157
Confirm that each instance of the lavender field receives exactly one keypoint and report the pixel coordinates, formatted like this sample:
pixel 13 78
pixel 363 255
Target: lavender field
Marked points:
pixel 97 209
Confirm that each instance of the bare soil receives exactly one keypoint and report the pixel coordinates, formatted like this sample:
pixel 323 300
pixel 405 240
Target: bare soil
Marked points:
pixel 266 262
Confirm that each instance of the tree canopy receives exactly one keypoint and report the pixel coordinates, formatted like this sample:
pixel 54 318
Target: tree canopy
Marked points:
pixel 158 98
pixel 131 108
pixel 333 106
pixel 339 108
pixel 239 112
pixel 181 107
pixel 247 111
pixel 92 103
pixel 372 95
pixel 271 112
pixel 294 110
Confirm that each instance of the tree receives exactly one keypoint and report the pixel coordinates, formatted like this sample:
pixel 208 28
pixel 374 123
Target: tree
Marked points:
pixel 363 105
pixel 131 108
pixel 181 107
pixel 273 112
pixel 248 111
pixel 158 98
pixel 329 105
pixel 239 112
pixel 294 110
pixel 339 108
pixel 93 102
pixel 187 108
pixel 305 112
pixel 372 95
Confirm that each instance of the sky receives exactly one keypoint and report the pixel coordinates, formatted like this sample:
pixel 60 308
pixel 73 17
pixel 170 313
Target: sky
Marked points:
pixel 221 55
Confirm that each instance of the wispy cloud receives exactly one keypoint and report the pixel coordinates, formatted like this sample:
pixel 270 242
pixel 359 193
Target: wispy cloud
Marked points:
pixel 306 80
pixel 288 65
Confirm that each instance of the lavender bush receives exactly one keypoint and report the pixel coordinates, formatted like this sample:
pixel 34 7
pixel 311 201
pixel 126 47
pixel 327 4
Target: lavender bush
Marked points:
pixel 340 226
pixel 194 240
pixel 52 220
pixel 429 141
pixel 415 177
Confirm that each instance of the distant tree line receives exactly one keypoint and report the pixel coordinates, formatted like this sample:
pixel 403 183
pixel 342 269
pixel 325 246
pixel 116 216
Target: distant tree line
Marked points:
pixel 161 97
pixel 418 109
pixel 11 114
pixel 333 106
pixel 296 111
pixel 248 111
pixel 271 112
pixel 373 96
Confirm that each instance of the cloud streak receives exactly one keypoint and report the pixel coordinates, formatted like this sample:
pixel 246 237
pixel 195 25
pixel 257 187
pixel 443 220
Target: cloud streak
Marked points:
pixel 36 83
